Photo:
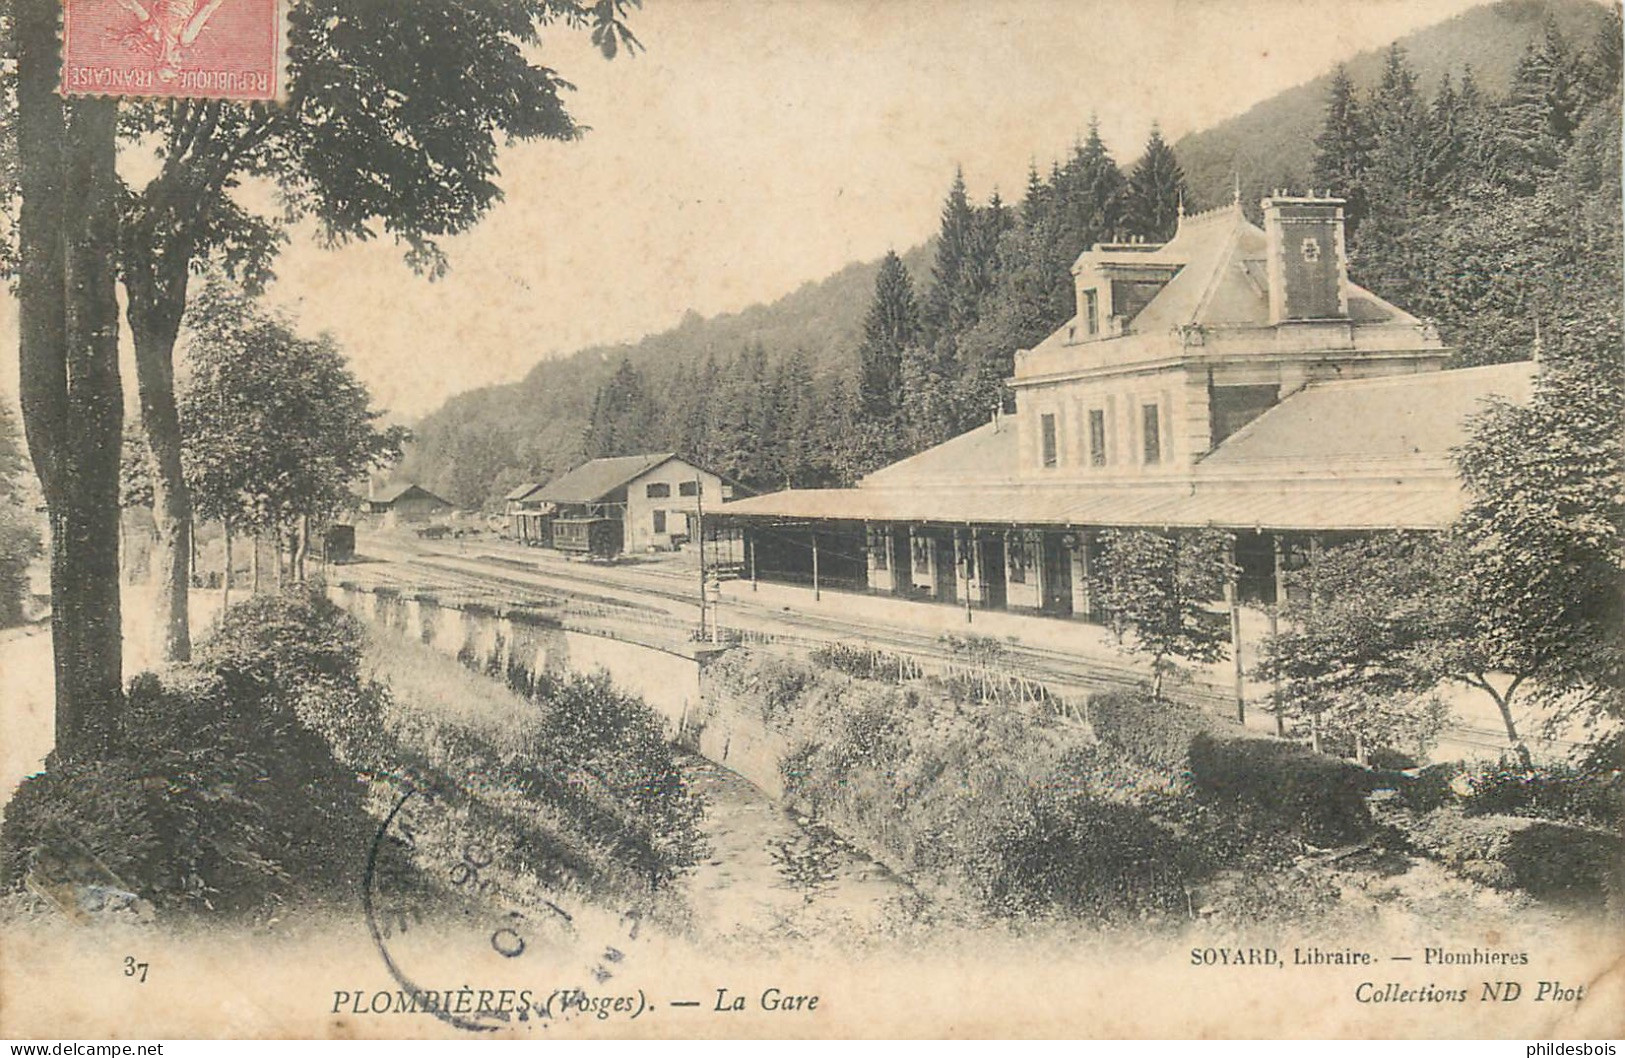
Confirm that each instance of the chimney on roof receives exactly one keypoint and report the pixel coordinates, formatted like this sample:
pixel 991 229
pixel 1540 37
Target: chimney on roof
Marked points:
pixel 1307 261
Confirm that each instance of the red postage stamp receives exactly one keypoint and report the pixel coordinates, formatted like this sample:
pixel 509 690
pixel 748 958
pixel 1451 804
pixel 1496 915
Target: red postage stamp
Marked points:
pixel 209 49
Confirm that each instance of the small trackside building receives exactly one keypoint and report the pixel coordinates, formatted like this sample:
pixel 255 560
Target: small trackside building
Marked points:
pixel 530 521
pixel 1233 378
pixel 407 504
pixel 605 507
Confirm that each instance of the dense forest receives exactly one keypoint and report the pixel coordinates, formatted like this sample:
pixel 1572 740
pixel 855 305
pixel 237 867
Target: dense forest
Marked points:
pixel 1486 199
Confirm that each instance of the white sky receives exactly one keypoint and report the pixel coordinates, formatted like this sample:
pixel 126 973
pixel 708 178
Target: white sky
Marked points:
pixel 760 144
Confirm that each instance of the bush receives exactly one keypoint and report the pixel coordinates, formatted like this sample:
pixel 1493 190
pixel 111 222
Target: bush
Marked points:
pixel 1433 787
pixel 1156 734
pixel 1026 814
pixel 280 642
pixel 1552 861
pixel 865 664
pixel 214 801
pixel 1555 791
pixel 1078 854
pixel 619 741
pixel 1320 798
pixel 1387 758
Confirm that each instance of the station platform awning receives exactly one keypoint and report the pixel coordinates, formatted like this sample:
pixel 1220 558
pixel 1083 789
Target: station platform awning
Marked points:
pixel 1430 503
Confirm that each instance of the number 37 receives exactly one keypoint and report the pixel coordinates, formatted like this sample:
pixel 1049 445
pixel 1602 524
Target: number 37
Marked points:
pixel 132 968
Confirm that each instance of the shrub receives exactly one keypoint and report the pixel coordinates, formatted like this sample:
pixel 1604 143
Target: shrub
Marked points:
pixel 1555 791
pixel 865 664
pixel 1387 758
pixel 1026 814
pixel 1552 861
pixel 1075 853
pixel 215 801
pixel 1156 734
pixel 1433 787
pixel 1321 798
pixel 281 641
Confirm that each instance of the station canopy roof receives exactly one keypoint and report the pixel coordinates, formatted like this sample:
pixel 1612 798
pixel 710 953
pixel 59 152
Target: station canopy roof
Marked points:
pixel 1240 505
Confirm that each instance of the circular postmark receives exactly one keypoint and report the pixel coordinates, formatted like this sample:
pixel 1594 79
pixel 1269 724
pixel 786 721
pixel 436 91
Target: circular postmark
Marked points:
pixel 474 936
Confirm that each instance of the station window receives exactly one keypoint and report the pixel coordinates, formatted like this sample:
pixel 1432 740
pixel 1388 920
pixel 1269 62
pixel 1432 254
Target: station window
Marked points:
pixel 1151 430
pixel 688 488
pixel 657 491
pixel 660 521
pixel 1097 437
pixel 921 549
pixel 1046 426
pixel 1016 570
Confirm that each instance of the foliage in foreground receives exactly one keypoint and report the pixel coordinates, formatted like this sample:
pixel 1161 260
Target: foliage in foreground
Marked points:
pixel 1025 815
pixel 218 796
pixel 242 782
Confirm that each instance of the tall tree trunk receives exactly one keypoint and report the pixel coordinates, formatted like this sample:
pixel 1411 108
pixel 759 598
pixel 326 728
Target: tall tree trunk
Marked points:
pixel 1503 703
pixel 156 286
pixel 257 543
pixel 225 577
pixel 72 403
pixel 301 548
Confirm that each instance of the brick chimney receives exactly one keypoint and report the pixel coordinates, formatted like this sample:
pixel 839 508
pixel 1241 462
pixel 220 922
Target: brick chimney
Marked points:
pixel 1308 266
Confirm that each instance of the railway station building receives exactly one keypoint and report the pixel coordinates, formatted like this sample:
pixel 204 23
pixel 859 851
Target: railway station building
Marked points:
pixel 605 507
pixel 1232 377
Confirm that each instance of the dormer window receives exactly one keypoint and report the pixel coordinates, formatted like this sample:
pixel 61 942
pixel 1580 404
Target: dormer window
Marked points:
pixel 1091 313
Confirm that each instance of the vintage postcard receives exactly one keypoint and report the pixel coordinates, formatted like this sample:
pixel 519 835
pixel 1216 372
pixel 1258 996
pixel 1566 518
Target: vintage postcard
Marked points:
pixel 811 518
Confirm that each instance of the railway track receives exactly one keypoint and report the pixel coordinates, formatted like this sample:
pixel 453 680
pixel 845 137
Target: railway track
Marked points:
pixel 660 608
pixel 478 578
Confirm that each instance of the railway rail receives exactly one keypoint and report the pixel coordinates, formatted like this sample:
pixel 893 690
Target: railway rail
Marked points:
pixel 658 607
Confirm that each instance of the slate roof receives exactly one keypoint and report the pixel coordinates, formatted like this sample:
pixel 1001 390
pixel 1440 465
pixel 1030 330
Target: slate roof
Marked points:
pixel 1221 282
pixel 1427 503
pixel 519 492
pixel 1406 418
pixel 989 453
pixel 593 480
pixel 393 493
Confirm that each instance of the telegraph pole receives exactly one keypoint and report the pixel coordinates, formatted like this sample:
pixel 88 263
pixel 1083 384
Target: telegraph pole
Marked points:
pixel 699 531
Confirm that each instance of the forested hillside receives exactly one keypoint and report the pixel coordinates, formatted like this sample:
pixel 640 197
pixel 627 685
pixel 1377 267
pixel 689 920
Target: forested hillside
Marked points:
pixel 1273 144
pixel 1476 157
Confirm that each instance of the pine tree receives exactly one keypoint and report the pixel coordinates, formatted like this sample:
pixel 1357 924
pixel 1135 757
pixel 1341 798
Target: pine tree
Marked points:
pixel 1389 253
pixel 1603 66
pixel 1035 207
pixel 1398 170
pixel 795 423
pixel 892 325
pixel 1478 149
pixel 1156 190
pixel 1343 149
pixel 622 413
pixel 1445 144
pixel 955 249
pixel 1541 112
